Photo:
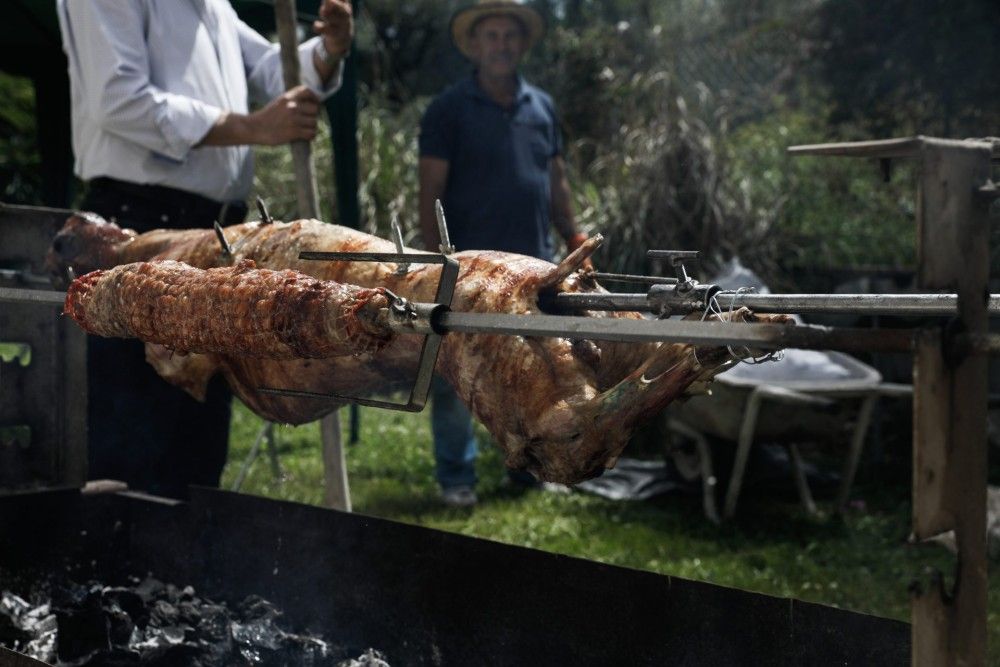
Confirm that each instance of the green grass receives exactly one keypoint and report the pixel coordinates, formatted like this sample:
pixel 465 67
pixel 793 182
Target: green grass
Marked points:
pixel 859 562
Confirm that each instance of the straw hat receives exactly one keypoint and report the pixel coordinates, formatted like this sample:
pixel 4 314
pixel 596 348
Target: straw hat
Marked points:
pixel 464 20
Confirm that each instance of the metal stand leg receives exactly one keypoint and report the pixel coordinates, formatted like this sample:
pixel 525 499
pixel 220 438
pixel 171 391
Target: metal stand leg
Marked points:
pixel 336 493
pixel 272 452
pixel 742 452
pixel 266 433
pixel 747 427
pixel 854 455
pixel 799 475
pixel 355 424
pixel 708 479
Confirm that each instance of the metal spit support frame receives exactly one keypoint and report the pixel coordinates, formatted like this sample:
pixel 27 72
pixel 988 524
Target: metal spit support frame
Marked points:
pixel 406 317
pixel 954 193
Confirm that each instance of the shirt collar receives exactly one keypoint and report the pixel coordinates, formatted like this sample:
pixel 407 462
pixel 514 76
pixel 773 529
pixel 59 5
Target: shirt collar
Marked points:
pixel 521 94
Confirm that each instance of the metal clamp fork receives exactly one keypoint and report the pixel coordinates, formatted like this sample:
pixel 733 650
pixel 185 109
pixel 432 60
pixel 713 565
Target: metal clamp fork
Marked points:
pixel 397 237
pixel 446 247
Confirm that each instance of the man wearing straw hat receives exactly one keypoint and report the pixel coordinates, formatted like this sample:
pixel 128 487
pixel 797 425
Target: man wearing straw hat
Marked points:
pixel 491 150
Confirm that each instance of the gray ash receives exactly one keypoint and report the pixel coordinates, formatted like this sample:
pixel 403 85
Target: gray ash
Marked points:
pixel 152 623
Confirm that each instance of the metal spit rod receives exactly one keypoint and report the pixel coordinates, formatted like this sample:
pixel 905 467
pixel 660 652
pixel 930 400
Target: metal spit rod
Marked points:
pixel 633 278
pixel 868 304
pixel 19 295
pixel 423 318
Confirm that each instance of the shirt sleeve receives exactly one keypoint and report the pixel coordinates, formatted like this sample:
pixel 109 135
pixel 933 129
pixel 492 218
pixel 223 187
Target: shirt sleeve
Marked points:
pixel 262 60
pixel 437 132
pixel 106 39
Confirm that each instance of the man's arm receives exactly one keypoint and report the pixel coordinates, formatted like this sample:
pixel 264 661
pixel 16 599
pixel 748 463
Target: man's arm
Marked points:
pixel 562 205
pixel 289 117
pixel 336 30
pixel 262 59
pixel 433 178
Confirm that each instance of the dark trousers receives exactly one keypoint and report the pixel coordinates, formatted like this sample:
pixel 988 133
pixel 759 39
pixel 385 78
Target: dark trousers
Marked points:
pixel 143 430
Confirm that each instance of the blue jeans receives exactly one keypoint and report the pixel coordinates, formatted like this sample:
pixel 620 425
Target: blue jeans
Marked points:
pixel 455 446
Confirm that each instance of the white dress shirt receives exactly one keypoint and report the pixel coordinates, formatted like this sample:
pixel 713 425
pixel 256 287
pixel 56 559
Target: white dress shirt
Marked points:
pixel 149 78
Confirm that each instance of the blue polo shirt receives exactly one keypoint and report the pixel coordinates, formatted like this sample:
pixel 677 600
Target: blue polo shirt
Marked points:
pixel 498 195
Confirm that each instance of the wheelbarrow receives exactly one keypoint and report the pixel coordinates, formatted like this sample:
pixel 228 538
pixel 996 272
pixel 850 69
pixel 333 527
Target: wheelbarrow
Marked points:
pixel 805 396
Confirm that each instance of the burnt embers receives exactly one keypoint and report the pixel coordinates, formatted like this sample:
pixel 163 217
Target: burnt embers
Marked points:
pixel 152 623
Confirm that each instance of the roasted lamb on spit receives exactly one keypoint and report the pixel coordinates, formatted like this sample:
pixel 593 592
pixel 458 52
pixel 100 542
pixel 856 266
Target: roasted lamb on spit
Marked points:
pixel 559 408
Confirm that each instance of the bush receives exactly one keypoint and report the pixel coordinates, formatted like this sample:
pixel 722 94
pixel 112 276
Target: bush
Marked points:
pixel 826 212
pixel 656 161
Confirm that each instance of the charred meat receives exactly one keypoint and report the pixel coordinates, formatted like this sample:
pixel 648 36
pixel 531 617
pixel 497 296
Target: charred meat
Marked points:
pixel 559 408
pixel 245 310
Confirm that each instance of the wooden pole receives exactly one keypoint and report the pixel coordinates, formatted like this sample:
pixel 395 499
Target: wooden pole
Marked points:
pixel 305 175
pixel 950 389
pixel 950 402
pixel 336 493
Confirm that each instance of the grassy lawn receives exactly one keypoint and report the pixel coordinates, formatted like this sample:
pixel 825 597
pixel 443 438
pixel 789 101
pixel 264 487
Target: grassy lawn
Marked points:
pixel 859 562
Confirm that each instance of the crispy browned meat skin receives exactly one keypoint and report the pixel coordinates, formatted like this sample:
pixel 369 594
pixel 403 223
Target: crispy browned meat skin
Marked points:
pixel 255 312
pixel 563 410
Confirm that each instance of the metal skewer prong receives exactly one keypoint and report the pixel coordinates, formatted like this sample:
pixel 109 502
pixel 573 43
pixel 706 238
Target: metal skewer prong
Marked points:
pixel 397 238
pixel 227 249
pixel 265 217
pixel 446 247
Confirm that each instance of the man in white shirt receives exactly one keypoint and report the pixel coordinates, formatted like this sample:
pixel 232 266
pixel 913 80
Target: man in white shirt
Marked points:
pixel 162 128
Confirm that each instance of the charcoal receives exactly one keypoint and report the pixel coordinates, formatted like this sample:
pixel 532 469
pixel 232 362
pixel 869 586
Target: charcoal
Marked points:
pixel 370 658
pixel 120 626
pixel 189 612
pixel 68 595
pixel 254 607
pixel 11 634
pixel 149 589
pixel 176 655
pixel 116 657
pixel 30 629
pixel 163 614
pixel 214 626
pixel 82 631
pixel 156 624
pixel 128 601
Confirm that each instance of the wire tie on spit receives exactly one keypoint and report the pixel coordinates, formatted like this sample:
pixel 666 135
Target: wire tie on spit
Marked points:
pixel 748 358
pixel 740 353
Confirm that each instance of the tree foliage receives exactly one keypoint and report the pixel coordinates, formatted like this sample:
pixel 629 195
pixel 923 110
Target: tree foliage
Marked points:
pixel 913 66
pixel 676 115
pixel 20 163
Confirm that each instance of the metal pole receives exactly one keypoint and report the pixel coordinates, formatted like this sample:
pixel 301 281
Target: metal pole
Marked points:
pixel 20 295
pixel 867 304
pixel 941 305
pixel 337 493
pixel 762 336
